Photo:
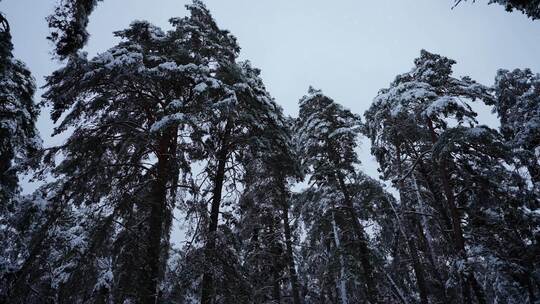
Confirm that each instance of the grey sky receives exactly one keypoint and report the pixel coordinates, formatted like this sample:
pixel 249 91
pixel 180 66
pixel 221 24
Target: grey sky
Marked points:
pixel 348 48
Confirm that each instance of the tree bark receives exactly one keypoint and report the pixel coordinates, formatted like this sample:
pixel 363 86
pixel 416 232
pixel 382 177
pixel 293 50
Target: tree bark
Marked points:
pixel 534 172
pixel 342 281
pixel 158 205
pixel 8 179
pixel 276 290
pixel 425 232
pixel 207 289
pixel 290 256
pixel 397 290
pixel 365 254
pixel 459 240
pixel 409 237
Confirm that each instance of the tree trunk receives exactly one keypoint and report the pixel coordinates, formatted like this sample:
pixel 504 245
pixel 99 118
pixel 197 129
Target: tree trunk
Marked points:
pixel 276 252
pixel 207 290
pixel 342 281
pixel 425 231
pixel 477 289
pixel 169 210
pixel 409 237
pixel 158 205
pixel 365 254
pixel 459 240
pixel 8 179
pixel 276 290
pixel 397 290
pixel 439 201
pixel 530 289
pixel 534 172
pixel 290 256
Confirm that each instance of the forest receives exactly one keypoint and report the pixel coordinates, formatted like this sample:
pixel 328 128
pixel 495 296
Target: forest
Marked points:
pixel 171 126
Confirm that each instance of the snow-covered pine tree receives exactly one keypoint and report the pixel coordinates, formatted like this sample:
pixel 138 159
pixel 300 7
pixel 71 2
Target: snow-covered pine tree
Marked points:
pixel 425 113
pixel 501 212
pixel 131 110
pixel 530 7
pixel 239 119
pixel 329 263
pixel 136 112
pixel 326 138
pixel 19 138
pixel 68 25
pixel 404 123
pixel 265 222
pixel 283 164
pixel 325 265
pixel 258 226
pixel 517 104
pixel 19 146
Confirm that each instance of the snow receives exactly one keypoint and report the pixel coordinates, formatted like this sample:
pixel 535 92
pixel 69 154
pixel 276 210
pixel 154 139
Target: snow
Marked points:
pixel 175 105
pixel 440 105
pixel 476 131
pixel 39 202
pixel 201 87
pixel 395 111
pixel 167 121
pixel 341 131
pixel 173 67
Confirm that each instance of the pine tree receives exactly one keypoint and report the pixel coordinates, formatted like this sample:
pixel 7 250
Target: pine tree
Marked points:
pixel 330 259
pixel 327 136
pixel 531 8
pixel 172 120
pixel 19 138
pixel 266 206
pixel 425 137
pixel 259 227
pixel 499 209
pixel 518 106
pixel 19 147
pixel 325 261
pixel 131 110
pixel 239 119
pixel 68 25
pixel 404 124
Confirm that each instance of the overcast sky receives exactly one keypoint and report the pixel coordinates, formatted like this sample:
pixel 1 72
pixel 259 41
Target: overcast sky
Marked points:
pixel 348 48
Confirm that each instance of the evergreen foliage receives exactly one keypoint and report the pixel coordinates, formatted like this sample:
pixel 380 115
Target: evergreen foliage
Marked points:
pixel 170 128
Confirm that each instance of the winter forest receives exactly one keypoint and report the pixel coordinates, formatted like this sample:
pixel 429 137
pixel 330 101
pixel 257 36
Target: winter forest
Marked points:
pixel 170 127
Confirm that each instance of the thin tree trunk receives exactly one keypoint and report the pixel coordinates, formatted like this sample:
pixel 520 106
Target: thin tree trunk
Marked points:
pixel 477 289
pixel 410 239
pixel 429 238
pixel 530 289
pixel 276 252
pixel 154 244
pixel 342 281
pixel 398 290
pixel 6 178
pixel 437 195
pixel 169 210
pixel 290 256
pixel 365 254
pixel 459 240
pixel 207 289
pixel 276 290
pixel 534 172
pixel 102 296
pixel 165 243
